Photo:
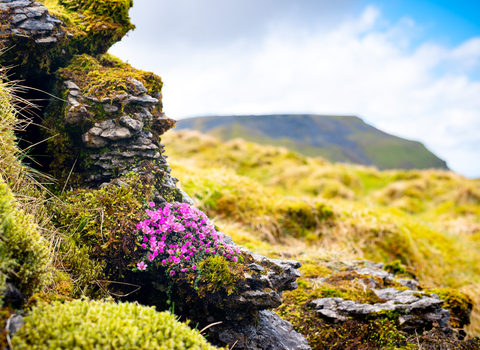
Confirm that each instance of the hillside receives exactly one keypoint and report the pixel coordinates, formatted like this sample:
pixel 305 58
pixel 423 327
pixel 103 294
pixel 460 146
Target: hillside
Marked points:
pixel 335 138
pixel 106 244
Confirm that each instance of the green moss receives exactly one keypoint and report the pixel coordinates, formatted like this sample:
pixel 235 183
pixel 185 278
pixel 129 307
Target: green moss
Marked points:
pixel 104 220
pixel 459 304
pixel 171 194
pixel 107 76
pixel 25 259
pixel 310 270
pixel 95 25
pixel 85 325
pixel 217 274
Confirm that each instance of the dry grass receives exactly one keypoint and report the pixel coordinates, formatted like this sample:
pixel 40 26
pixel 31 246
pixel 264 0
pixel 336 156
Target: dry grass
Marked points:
pixel 429 219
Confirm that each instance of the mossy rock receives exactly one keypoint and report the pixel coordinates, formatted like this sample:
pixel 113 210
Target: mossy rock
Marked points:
pixel 103 82
pixel 25 257
pixel 85 325
pixel 106 76
pixel 84 26
pixel 459 304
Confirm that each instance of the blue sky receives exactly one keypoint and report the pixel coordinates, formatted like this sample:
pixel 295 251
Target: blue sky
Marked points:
pixel 410 68
pixel 449 22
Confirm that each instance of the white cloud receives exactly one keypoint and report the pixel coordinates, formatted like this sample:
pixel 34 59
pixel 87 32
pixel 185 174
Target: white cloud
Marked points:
pixel 359 67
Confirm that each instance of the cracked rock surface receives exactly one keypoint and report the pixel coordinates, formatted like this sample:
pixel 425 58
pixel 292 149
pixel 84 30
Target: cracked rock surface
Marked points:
pixel 415 309
pixel 258 290
pixel 271 333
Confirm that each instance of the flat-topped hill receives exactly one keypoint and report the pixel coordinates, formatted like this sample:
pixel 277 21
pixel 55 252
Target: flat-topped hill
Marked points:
pixel 336 138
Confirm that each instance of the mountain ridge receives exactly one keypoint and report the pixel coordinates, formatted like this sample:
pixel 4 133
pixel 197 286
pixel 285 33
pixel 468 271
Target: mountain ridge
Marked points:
pixel 345 139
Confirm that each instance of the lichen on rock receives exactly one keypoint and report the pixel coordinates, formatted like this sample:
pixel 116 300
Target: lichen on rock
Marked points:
pixel 365 306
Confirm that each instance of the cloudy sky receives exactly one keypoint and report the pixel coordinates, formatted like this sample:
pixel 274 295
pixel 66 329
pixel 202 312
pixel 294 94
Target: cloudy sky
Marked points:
pixel 410 68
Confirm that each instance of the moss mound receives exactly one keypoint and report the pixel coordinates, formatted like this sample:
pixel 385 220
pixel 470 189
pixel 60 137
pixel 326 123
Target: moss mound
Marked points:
pixel 85 325
pixel 25 256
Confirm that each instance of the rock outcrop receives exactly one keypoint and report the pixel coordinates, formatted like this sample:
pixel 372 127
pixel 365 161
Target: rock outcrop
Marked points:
pixel 373 306
pixel 46 39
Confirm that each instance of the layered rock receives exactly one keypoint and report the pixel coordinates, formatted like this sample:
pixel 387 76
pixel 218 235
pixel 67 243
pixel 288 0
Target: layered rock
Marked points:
pixel 109 126
pixel 41 40
pixel 374 306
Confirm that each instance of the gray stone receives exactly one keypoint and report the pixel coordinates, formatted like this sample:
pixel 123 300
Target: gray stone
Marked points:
pixel 139 87
pixel 95 131
pixel 72 101
pixel 130 99
pixel 109 108
pixel 147 100
pixel 107 124
pixel 92 98
pixel 269 333
pixel 53 20
pixel 36 11
pixel 262 300
pixel 71 85
pixel 255 267
pixel 18 18
pixel 49 40
pixel 116 133
pixel 76 114
pixel 427 310
pixel 36 25
pixel 93 141
pixel 74 93
pixel 330 314
pixel 131 123
pixel 142 147
pixel 186 198
pixel 409 283
pixel 119 97
pixel 145 134
pixel 20 3
pixel 377 273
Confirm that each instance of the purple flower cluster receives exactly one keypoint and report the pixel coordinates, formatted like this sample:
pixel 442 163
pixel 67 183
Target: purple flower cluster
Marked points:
pixel 180 236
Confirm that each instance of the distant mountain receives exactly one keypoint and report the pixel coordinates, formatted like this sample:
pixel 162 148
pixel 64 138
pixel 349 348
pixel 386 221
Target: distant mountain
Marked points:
pixel 336 138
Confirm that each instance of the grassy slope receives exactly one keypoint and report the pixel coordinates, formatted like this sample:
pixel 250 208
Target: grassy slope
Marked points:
pixel 428 219
pixel 336 138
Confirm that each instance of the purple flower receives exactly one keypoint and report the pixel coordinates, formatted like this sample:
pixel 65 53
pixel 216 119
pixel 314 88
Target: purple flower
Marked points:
pixel 142 266
pixel 180 236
